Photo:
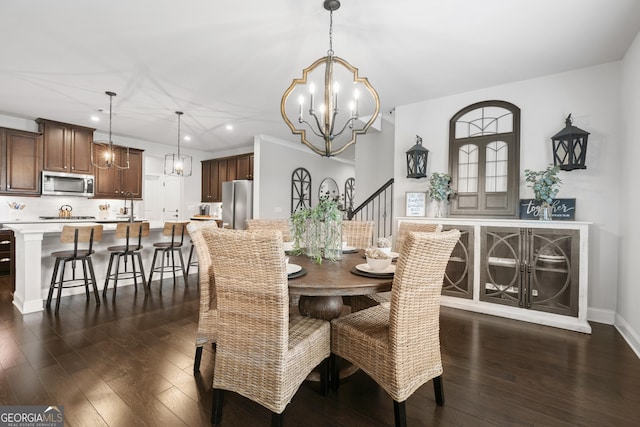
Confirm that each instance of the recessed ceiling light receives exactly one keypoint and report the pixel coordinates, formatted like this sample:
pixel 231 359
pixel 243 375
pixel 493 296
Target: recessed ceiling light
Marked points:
pixel 229 127
pixel 95 118
pixel 187 138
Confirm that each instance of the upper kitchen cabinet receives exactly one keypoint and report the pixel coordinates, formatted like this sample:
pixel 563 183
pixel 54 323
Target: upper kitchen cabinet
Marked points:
pixel 20 162
pixel 217 171
pixel 114 183
pixel 244 166
pixel 67 148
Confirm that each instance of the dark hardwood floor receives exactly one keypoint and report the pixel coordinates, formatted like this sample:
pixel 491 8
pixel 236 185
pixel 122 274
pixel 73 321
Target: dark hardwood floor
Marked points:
pixel 130 364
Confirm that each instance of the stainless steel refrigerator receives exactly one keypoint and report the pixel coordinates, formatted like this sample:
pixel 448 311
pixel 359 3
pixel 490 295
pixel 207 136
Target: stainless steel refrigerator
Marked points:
pixel 237 203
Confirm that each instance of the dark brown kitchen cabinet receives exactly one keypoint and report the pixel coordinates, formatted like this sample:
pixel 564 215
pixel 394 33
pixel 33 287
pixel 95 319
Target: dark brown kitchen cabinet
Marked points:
pixel 244 166
pixel 217 171
pixel 20 162
pixel 114 183
pixel 6 253
pixel 67 148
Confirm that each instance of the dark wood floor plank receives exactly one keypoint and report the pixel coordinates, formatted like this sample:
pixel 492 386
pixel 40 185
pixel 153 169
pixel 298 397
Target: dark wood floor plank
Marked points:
pixel 130 363
pixel 113 409
pixel 143 400
pixel 78 410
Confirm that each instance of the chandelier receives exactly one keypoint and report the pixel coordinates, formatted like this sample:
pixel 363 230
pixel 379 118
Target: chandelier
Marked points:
pixel 177 164
pixel 331 131
pixel 105 155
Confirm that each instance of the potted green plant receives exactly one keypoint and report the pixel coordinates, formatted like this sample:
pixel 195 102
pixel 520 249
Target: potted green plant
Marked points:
pixel 440 191
pixel 320 227
pixel 545 184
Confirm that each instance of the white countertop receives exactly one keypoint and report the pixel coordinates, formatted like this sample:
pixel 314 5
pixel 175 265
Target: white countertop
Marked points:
pixel 55 226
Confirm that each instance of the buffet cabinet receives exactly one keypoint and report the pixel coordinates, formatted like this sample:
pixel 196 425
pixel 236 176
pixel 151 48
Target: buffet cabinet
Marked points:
pixel 534 271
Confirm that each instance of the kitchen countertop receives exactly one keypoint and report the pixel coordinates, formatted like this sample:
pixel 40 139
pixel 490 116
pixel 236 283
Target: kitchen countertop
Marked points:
pixel 55 226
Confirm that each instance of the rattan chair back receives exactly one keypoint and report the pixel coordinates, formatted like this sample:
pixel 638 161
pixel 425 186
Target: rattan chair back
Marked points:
pixel 406 227
pixel 271 224
pixel 358 234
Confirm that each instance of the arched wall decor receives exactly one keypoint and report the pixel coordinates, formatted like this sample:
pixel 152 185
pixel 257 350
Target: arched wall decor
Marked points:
pixel 349 194
pixel 484 160
pixel 300 189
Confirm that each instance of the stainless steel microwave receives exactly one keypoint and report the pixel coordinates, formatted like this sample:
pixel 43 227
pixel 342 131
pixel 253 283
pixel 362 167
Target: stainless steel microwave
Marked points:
pixel 67 184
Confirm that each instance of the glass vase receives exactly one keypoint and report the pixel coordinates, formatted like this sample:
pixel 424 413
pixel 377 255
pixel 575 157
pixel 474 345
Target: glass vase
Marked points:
pixel 313 239
pixel 333 239
pixel 544 214
pixel 440 209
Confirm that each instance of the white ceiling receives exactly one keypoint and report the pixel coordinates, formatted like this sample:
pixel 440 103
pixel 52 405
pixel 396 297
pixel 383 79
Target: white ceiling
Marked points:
pixel 229 62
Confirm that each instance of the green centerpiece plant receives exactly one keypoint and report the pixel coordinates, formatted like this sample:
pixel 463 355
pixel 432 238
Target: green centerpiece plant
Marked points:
pixel 545 184
pixel 440 191
pixel 320 228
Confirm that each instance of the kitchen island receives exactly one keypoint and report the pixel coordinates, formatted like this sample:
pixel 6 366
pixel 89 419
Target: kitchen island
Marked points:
pixel 34 243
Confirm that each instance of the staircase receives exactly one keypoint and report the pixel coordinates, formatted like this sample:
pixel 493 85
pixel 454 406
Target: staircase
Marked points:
pixel 379 209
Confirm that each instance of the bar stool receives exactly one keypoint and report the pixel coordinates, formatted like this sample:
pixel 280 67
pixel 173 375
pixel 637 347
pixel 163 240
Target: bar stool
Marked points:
pixel 128 231
pixel 197 225
pixel 168 249
pixel 75 235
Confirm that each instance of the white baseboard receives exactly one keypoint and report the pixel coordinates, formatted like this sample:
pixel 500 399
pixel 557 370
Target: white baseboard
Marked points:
pixel 631 336
pixel 599 315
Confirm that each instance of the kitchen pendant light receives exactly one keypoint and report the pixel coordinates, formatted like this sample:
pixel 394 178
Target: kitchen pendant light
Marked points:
pixel 331 137
pixel 177 164
pixel 105 155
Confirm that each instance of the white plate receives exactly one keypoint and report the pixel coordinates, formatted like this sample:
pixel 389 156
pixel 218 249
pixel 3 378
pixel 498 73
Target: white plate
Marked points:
pixel 288 246
pixel 293 268
pixel 367 269
pixel 349 249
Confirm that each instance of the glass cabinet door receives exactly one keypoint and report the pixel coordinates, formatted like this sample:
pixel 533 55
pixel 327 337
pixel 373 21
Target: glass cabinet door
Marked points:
pixel 533 268
pixel 458 277
pixel 553 271
pixel 501 265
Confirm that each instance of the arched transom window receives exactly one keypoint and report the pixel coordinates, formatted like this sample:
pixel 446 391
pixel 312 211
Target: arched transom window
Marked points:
pixel 484 159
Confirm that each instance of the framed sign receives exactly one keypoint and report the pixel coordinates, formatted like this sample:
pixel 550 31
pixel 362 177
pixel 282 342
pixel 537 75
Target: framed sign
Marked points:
pixel 563 209
pixel 416 204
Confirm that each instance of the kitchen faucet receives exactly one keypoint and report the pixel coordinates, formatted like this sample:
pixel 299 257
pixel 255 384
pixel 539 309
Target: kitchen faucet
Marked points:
pixel 126 196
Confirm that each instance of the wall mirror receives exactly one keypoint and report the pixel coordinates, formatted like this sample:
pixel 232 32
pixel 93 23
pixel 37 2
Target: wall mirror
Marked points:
pixel 328 187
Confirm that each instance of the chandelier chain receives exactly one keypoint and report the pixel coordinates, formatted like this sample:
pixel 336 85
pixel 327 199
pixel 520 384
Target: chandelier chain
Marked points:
pixel 330 51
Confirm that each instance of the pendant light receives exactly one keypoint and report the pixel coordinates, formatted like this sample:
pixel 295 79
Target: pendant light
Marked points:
pixel 326 129
pixel 105 155
pixel 177 164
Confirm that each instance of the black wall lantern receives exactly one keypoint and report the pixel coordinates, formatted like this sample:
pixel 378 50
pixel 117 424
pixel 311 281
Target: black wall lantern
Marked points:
pixel 570 147
pixel 417 160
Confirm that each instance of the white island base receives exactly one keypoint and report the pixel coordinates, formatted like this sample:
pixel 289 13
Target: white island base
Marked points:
pixel 34 244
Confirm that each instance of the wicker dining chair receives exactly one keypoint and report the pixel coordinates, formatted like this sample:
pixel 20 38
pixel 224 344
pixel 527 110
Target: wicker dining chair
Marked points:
pixel 263 352
pixel 360 302
pixel 406 227
pixel 358 234
pixel 399 348
pixel 208 313
pixel 271 224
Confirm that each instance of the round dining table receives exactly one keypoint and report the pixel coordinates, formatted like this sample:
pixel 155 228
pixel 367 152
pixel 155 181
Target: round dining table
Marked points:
pixel 323 285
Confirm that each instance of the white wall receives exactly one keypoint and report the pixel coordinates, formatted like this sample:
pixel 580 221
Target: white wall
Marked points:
pixel 374 167
pixel 592 95
pixel 628 314
pixel 275 161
